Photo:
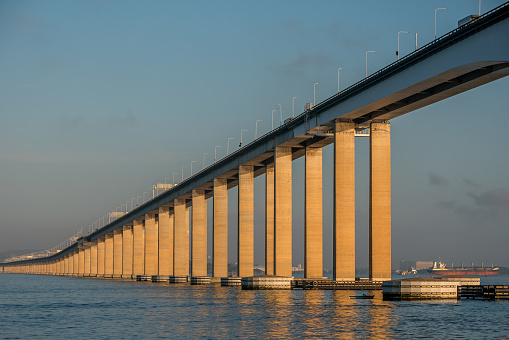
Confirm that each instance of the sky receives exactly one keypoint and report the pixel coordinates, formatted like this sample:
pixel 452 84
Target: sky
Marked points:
pixel 100 100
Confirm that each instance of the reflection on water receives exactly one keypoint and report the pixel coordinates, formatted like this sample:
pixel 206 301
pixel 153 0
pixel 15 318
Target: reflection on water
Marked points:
pixel 48 307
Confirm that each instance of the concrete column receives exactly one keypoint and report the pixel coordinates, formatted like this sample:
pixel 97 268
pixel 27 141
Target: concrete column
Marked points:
pixel 344 202
pixel 165 241
pixel 138 247
pixel 87 250
pixel 75 262
pixel 108 255
pixel 66 264
pixel 220 229
pixel 199 239
pixel 127 251
pixel 380 202
pixel 269 220
pixel 181 238
pixel 117 252
pixel 283 211
pixel 313 227
pixel 151 244
pixel 93 258
pixel 100 256
pixel 81 262
pixel 61 269
pixel 246 221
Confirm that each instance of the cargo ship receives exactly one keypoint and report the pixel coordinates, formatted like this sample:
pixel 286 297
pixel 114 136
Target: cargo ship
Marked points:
pixel 440 269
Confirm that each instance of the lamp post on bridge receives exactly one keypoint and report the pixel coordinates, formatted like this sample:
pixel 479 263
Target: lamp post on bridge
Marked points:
pixel 218 146
pixel 397 53
pixel 240 145
pixel 293 106
pixel 314 94
pixel 367 61
pixel 137 202
pixel 184 167
pixel 338 77
pixel 281 114
pixel 436 20
pixel 175 173
pixel 273 119
pixel 416 40
pixel 228 146
pixel 203 165
pixel 256 127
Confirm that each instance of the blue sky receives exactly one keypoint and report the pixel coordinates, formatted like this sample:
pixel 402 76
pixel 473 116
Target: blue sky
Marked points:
pixel 102 99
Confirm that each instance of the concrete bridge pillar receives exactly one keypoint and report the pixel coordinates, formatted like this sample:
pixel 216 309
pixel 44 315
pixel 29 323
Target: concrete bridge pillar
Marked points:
pixel 199 230
pixel 66 264
pixel 245 244
pixel 269 219
pixel 86 270
pixel 108 255
pixel 138 247
pixel 81 261
pixel 283 211
pixel 61 269
pixel 151 244
pixel 313 248
pixel 75 263
pixel 181 238
pixel 127 251
pixel 100 256
pixel 344 202
pixel 380 202
pixel 220 229
pixel 117 252
pixel 93 258
pixel 165 251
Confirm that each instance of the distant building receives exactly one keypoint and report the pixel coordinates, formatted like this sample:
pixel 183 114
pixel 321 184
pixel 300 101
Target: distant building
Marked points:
pixel 423 264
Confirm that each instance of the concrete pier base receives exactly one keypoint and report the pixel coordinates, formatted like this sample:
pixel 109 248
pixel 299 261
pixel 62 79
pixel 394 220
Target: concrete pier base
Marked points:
pixel 231 281
pixel 215 279
pixel 420 288
pixel 200 280
pixel 108 276
pixel 126 277
pixel 178 279
pixel 267 282
pixel 116 276
pixel 160 278
pixel 143 277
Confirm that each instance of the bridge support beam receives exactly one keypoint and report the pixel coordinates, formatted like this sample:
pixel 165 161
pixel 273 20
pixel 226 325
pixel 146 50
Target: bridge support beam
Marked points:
pixel 100 256
pixel 380 202
pixel 93 258
pixel 199 239
pixel 81 262
pixel 344 202
pixel 127 251
pixel 75 263
pixel 87 249
pixel 165 252
pixel 66 265
pixel 151 244
pixel 313 248
pixel 108 255
pixel 117 252
pixel 181 238
pixel 138 247
pixel 269 219
pixel 220 229
pixel 283 211
pixel 246 221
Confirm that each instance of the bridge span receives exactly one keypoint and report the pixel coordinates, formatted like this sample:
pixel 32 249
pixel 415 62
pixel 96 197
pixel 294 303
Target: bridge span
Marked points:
pixel 154 239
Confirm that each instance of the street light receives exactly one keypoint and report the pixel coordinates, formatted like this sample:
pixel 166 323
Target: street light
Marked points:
pixel 192 166
pixel 436 20
pixel 203 165
pixel 228 146
pixel 367 61
pixel 256 127
pixel 132 203
pixel 397 53
pixel 241 136
pixel 184 167
pixel 314 94
pixel 174 173
pixel 281 114
pixel 338 77
pixel 416 40
pixel 218 146
pixel 293 106
pixel 273 119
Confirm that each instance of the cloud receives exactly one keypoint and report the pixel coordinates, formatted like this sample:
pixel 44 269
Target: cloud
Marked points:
pixel 497 199
pixel 436 180
pixel 471 183
pixel 493 204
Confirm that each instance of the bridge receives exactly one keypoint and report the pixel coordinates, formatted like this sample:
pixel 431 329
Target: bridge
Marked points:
pixel 153 240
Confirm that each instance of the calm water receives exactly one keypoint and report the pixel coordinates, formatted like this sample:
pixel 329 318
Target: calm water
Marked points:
pixel 34 307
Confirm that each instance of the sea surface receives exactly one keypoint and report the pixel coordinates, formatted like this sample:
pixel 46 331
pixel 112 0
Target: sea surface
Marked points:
pixel 49 307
